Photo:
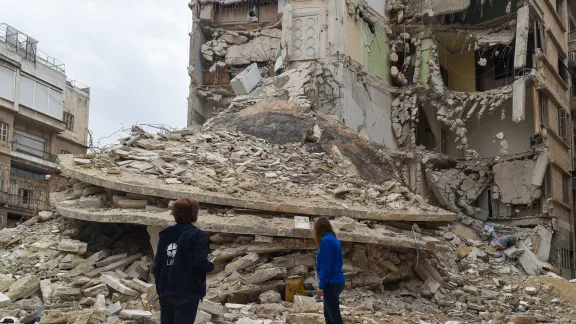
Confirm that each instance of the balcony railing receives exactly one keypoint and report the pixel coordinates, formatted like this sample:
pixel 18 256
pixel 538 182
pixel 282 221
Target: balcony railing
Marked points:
pixel 23 201
pixel 572 36
pixel 26 46
pixel 21 148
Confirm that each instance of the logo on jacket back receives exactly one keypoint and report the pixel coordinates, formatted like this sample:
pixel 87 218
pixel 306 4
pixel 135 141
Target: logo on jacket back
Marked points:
pixel 171 253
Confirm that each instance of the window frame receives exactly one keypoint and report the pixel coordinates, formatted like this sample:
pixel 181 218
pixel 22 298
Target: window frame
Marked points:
pixel 68 120
pixel 4 131
pixel 566 189
pixel 543 108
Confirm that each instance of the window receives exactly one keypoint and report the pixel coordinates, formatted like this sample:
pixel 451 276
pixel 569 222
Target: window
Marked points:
pixel 563 123
pixel 68 119
pixel 543 104
pixel 24 195
pixel 3 132
pixel 563 70
pixel 40 97
pixel 548 183
pixel 565 189
pixel 7 78
pixel 65 152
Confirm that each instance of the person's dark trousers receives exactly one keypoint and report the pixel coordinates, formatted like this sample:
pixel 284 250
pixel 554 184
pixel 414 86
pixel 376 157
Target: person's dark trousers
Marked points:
pixel 332 303
pixel 178 310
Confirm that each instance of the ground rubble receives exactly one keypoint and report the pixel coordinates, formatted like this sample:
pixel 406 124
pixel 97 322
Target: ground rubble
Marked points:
pixel 57 270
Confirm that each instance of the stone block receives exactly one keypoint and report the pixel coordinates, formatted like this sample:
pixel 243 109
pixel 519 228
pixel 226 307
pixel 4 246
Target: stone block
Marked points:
pixel 212 307
pixel 134 314
pixel 140 285
pixel 73 246
pixel 202 317
pixel 66 292
pixel 96 201
pixel 259 276
pixel 115 265
pixel 6 281
pixel 242 263
pixel 96 290
pixel 23 288
pixel 114 308
pixel 46 290
pixel 132 204
pixel 465 232
pixel 92 190
pixel 118 286
pixel 45 215
pixel 4 300
pixel 512 252
pixel 304 318
pixel 111 259
pixel 270 297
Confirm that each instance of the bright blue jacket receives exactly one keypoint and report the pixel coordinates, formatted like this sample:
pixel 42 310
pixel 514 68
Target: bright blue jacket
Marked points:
pixel 329 261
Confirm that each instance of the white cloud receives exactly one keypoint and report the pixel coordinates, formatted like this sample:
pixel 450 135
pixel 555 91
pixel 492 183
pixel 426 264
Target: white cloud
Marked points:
pixel 132 54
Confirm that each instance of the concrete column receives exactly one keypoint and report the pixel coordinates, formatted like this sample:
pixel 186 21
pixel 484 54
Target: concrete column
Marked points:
pixel 426 48
pixel 154 233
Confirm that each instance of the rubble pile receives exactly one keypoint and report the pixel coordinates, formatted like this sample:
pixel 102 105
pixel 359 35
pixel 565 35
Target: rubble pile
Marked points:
pixel 66 271
pixel 213 159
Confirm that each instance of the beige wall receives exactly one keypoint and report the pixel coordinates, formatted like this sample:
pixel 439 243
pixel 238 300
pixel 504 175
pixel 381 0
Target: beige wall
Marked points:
pixel 77 103
pixel 60 144
pixel 461 69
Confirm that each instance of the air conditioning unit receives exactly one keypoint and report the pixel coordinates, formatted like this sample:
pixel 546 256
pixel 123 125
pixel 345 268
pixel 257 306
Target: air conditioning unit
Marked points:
pixel 253 14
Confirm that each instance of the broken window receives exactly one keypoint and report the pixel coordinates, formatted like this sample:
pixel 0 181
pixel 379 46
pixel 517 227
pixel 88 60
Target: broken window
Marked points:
pixel 68 119
pixel 543 104
pixel 563 123
pixel 548 183
pixel 25 195
pixel 565 189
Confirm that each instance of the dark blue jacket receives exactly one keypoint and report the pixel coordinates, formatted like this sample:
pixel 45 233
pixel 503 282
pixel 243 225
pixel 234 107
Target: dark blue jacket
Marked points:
pixel 182 262
pixel 329 261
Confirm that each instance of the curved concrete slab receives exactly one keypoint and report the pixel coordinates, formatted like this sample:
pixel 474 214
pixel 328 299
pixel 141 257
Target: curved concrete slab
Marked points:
pixel 254 225
pixel 144 185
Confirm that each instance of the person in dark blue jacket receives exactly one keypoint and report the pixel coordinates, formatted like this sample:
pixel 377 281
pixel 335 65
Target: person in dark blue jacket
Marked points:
pixel 329 264
pixel 181 265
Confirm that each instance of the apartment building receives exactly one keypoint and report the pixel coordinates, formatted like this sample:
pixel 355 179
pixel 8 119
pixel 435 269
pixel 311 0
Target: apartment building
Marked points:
pixel 473 97
pixel 42 114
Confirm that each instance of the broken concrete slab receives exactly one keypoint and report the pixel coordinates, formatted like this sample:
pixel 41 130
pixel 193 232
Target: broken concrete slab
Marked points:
pixel 114 308
pixel 514 181
pixel 111 259
pixel 132 204
pixel 46 290
pixel 135 183
pixel 522 30
pixel 23 288
pixel 134 314
pixel 529 261
pixel 544 243
pixel 118 286
pixel 94 291
pixel 73 246
pixel 242 262
pixel 212 307
pixel 540 169
pixel 465 232
pixel 282 227
pixel 66 292
pixel 115 265
pixel 259 276
pixel 96 201
pixel 519 100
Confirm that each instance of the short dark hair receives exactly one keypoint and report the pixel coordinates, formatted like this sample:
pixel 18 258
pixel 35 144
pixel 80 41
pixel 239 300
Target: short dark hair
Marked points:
pixel 185 210
pixel 322 227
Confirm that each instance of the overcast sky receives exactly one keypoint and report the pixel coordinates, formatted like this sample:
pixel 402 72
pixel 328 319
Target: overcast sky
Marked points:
pixel 132 54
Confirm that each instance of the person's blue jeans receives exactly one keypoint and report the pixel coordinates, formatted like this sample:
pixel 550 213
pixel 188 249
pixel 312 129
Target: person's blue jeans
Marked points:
pixel 332 303
pixel 178 310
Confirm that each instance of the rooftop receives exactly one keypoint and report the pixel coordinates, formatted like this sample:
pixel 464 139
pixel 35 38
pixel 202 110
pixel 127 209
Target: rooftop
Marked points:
pixel 26 47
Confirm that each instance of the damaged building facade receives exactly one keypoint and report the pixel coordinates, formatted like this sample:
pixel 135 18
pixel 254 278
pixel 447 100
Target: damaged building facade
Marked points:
pixel 471 97
pixel 42 114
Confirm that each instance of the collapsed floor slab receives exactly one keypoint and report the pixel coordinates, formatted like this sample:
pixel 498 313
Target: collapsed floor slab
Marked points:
pixel 138 184
pixel 254 225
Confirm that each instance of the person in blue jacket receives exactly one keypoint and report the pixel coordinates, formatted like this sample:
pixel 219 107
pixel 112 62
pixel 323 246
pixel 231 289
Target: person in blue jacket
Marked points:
pixel 329 264
pixel 181 265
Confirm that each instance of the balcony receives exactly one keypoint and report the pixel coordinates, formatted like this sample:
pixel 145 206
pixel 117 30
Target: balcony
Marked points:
pixel 31 150
pixel 23 202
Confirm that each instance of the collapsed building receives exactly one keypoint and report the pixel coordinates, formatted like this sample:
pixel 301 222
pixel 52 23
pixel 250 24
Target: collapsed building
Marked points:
pixel 471 96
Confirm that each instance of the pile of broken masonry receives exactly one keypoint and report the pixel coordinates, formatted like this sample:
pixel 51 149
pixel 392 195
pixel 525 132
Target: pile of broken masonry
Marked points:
pixel 89 261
